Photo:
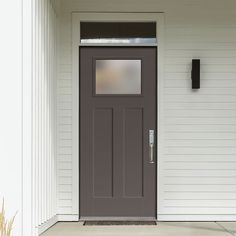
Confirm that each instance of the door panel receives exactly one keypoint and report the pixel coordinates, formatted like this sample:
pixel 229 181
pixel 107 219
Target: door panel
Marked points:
pixel 133 152
pixel 102 152
pixel 116 176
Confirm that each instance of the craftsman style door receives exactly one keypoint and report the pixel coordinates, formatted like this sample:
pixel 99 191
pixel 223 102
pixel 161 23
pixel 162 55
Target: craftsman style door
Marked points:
pixel 117 132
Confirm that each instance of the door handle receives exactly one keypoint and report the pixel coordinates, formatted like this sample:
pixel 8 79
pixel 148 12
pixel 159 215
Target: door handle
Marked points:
pixel 151 146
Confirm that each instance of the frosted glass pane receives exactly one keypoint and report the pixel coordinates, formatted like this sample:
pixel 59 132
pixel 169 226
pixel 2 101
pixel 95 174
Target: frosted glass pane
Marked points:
pixel 118 77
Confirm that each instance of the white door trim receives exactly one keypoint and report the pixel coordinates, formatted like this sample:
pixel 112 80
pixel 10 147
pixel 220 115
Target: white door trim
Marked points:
pixel 78 17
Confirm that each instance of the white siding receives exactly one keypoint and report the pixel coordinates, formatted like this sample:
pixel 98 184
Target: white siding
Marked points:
pixel 64 118
pixel 44 134
pixel 197 167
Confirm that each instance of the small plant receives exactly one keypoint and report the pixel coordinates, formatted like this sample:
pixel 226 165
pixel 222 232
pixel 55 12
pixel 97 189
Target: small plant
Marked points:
pixel 5 225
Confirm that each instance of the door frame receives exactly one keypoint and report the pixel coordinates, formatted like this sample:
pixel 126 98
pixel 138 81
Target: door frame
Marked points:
pixel 77 18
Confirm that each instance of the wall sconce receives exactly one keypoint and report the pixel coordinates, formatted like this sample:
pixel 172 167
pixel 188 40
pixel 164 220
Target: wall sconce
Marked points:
pixel 196 74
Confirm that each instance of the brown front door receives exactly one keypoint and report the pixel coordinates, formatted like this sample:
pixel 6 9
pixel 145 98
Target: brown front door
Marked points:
pixel 117 112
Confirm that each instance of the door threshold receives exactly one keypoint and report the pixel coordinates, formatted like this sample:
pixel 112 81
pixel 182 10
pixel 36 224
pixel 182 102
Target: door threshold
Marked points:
pixel 117 219
pixel 111 223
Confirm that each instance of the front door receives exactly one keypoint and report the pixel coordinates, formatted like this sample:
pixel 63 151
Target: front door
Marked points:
pixel 117 132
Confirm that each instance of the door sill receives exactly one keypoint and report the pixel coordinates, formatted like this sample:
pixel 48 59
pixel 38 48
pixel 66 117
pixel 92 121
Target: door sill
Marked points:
pixel 117 219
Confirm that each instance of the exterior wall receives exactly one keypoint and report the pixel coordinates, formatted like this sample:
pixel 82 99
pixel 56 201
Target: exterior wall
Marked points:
pixel 43 118
pixel 196 166
pixel 64 118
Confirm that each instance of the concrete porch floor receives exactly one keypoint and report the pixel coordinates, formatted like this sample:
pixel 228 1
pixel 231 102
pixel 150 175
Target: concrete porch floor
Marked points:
pixel 161 229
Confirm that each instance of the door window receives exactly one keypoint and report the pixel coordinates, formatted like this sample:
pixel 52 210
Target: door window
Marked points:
pixel 118 77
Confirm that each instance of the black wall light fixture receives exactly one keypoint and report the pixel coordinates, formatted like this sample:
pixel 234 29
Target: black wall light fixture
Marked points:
pixel 196 74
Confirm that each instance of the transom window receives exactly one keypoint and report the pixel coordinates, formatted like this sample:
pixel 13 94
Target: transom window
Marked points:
pixel 118 32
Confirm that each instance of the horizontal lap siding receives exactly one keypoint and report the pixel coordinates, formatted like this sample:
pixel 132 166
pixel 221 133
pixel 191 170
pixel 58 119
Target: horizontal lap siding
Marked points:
pixel 197 165
pixel 64 118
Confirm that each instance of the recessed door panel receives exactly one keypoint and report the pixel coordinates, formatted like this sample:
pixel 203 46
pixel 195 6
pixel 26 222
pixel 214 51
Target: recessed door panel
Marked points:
pixel 117 111
pixel 133 152
pixel 102 147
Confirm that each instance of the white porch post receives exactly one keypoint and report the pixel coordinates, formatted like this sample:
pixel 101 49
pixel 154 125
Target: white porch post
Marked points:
pixel 27 183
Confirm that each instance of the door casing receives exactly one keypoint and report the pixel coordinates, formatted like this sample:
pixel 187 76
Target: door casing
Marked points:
pixel 78 17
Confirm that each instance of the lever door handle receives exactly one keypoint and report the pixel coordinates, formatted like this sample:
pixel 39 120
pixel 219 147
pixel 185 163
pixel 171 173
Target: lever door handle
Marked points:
pixel 151 146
